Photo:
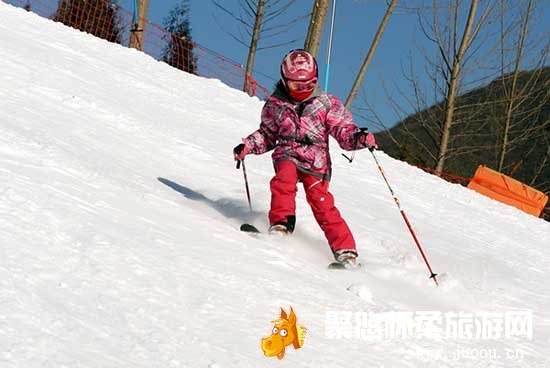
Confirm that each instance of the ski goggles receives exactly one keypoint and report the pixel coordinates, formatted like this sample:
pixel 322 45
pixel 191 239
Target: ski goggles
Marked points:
pixel 301 86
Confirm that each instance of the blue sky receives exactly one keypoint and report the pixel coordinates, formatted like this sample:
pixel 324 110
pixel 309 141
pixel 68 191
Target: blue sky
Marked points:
pixel 356 22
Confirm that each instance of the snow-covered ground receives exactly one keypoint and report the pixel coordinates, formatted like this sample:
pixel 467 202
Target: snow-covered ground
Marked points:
pixel 119 243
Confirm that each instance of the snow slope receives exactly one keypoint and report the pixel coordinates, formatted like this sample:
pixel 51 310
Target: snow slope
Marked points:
pixel 119 210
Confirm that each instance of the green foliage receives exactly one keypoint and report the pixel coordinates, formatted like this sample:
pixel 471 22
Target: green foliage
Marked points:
pixel 179 50
pixel 406 152
pixel 97 17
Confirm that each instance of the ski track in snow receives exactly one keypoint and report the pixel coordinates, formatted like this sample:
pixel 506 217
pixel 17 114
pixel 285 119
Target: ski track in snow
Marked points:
pixel 119 210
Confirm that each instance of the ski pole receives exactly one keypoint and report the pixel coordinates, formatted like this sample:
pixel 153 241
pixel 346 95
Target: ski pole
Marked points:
pixel 432 274
pixel 245 182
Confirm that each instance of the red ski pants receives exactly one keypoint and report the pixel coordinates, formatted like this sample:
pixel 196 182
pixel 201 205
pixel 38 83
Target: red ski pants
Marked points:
pixel 283 203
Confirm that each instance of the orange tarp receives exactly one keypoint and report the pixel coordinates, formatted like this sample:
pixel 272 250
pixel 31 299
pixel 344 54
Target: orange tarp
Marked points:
pixel 507 190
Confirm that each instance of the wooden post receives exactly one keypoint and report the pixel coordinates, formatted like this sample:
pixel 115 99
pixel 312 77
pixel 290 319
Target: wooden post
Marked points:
pixel 136 34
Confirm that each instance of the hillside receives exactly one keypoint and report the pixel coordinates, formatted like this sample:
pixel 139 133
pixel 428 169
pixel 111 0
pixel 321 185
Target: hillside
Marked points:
pixel 119 213
pixel 478 117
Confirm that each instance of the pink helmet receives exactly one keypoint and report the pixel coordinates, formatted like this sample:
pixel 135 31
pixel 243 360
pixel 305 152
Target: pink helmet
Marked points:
pixel 299 65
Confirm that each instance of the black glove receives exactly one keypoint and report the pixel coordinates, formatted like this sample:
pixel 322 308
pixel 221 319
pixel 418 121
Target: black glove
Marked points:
pixel 367 139
pixel 239 152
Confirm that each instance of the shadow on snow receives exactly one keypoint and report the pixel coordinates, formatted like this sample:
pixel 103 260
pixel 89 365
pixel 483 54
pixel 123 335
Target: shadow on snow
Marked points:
pixel 227 207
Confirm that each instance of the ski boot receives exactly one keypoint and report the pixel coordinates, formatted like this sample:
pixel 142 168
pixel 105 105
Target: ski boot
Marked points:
pixel 345 258
pixel 283 227
pixel 278 229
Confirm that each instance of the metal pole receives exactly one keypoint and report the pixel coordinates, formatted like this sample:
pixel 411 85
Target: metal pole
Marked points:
pixel 329 48
pixel 135 17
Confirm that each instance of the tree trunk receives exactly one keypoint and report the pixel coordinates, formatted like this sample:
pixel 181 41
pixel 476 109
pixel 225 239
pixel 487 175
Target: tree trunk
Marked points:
pixel 510 107
pixel 316 25
pixel 136 35
pixel 377 37
pixel 253 45
pixel 542 164
pixel 452 89
pixel 311 22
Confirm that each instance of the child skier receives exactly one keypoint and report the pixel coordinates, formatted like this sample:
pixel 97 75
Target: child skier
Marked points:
pixel 296 122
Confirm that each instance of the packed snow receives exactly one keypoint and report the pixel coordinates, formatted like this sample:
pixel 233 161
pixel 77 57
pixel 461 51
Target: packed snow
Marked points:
pixel 120 208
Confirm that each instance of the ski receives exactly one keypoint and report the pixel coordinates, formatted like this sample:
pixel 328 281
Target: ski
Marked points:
pixel 340 266
pixel 248 228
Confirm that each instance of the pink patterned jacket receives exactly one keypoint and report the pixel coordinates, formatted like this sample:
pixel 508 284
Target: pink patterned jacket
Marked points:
pixel 300 132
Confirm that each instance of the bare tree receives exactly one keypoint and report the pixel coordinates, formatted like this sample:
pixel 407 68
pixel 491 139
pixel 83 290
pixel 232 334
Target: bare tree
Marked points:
pixel 253 44
pixel 454 38
pixel 463 57
pixel 374 44
pixel 256 20
pixel 454 70
pixel 515 96
pixel 316 26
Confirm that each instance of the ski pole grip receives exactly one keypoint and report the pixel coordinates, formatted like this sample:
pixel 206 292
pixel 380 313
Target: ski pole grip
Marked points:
pixel 238 164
